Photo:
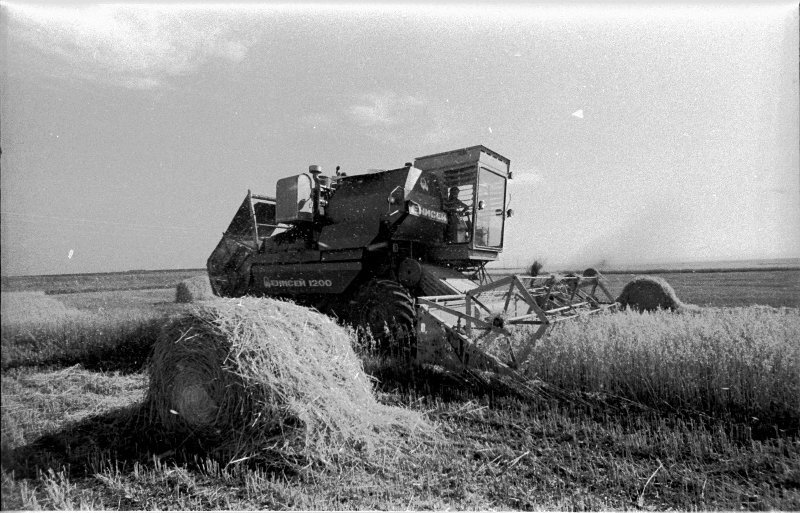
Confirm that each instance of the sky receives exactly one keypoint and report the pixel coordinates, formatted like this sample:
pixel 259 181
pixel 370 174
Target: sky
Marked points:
pixel 637 134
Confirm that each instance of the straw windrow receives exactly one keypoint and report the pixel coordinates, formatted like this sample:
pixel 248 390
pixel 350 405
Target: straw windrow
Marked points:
pixel 252 375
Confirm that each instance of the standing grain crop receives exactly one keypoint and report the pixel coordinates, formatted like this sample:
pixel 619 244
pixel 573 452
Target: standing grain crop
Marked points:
pixel 734 361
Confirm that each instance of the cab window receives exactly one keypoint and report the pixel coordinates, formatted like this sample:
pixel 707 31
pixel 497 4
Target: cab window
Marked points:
pixel 490 211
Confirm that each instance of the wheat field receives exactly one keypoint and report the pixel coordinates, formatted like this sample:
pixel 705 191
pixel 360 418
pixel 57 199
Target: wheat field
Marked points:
pixel 636 411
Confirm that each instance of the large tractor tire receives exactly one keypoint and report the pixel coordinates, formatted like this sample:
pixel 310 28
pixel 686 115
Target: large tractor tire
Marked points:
pixel 385 309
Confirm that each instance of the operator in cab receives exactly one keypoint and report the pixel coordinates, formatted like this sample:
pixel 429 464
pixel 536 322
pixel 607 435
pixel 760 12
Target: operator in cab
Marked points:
pixel 459 225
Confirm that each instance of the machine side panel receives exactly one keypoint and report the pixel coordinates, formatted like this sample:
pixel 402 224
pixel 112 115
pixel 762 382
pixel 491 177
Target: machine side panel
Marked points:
pixel 303 279
pixel 364 196
pixel 360 202
pixel 355 234
pixel 344 254
pixel 463 253
pixel 355 209
pixel 287 257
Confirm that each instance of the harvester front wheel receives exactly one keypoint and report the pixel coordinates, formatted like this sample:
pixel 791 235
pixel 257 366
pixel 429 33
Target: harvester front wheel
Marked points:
pixel 386 310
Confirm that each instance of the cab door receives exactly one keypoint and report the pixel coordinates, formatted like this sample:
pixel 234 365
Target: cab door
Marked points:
pixel 490 208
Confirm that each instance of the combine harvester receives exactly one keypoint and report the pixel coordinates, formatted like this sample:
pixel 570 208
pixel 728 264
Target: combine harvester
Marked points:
pixel 403 253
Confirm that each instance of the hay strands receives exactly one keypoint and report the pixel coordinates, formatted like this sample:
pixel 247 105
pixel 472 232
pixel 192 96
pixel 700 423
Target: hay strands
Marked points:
pixel 261 378
pixel 478 324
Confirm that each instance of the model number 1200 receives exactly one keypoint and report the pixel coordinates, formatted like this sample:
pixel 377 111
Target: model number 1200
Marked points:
pixel 320 283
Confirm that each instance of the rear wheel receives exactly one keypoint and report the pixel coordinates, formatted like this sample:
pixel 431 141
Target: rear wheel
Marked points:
pixel 386 310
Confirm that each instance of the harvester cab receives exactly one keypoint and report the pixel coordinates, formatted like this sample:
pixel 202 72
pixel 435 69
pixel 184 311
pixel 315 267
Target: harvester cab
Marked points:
pixel 401 253
pixel 472 184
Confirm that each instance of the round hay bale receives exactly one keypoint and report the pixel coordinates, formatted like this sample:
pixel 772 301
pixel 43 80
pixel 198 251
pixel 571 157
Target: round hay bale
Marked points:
pixel 194 289
pixel 250 375
pixel 590 272
pixel 649 293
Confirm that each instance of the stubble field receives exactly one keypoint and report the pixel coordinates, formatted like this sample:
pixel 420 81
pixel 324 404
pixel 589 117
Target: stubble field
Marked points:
pixel 629 411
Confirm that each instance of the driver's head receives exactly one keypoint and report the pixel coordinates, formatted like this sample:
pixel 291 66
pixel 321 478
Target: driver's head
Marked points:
pixel 454 192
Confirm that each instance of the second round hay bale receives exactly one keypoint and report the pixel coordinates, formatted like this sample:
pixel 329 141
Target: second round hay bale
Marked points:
pixel 252 376
pixel 194 289
pixel 649 293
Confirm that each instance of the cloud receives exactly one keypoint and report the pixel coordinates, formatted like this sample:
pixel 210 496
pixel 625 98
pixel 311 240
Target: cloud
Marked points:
pixel 138 47
pixel 404 119
pixel 386 109
pixel 527 177
pixel 778 190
